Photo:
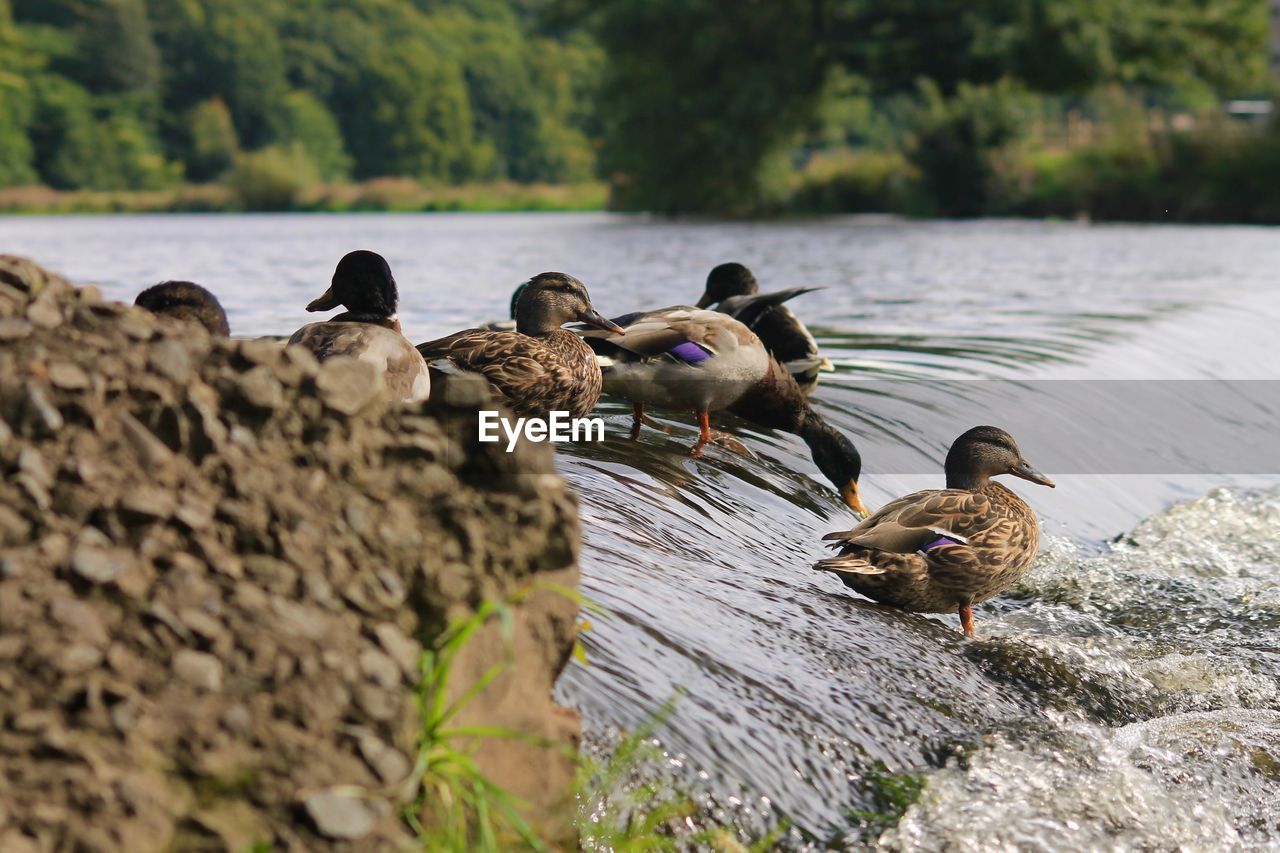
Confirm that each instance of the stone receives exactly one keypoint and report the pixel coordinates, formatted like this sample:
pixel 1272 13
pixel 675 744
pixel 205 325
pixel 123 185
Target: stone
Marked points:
pixel 347 384
pixel 200 670
pixel 390 764
pixel 68 376
pixel 260 388
pixel 14 329
pixel 338 814
pixel 99 565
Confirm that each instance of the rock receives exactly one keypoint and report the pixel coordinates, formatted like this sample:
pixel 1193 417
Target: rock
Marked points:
pixel 148 502
pixel 99 565
pixel 347 385
pixel 260 388
pixel 44 312
pixel 405 652
pixel 14 329
pixel 217 559
pixel 170 358
pixel 68 376
pixel 390 765
pixel 337 814
pixel 198 669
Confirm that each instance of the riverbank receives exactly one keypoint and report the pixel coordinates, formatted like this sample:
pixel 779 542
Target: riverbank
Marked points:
pixel 280 192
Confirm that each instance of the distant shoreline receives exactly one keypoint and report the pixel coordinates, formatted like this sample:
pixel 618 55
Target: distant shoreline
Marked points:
pixel 387 195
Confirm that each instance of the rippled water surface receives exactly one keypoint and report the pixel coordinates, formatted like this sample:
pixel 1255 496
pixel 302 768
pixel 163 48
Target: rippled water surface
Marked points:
pixel 1126 694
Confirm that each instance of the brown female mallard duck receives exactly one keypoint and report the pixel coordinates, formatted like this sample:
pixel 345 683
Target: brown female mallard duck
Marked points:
pixel 539 367
pixel 733 290
pixel 688 359
pixel 944 550
pixel 187 301
pixel 369 329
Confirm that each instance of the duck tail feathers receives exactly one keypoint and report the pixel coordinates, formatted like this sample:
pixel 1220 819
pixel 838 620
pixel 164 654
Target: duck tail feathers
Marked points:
pixel 847 564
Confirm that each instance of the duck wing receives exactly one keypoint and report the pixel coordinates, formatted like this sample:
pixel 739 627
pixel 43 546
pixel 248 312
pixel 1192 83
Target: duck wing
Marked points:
pixel 680 332
pixel 918 521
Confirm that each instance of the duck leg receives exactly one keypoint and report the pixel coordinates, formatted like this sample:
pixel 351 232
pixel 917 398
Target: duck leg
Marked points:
pixel 638 417
pixel 707 435
pixel 966 619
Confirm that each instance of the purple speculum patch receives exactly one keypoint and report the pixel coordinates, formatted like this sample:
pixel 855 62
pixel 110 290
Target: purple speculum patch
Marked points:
pixel 689 352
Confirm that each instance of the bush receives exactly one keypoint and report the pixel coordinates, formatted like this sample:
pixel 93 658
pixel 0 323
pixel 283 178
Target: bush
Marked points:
pixel 852 182
pixel 214 143
pixel 310 124
pixel 273 178
pixel 956 141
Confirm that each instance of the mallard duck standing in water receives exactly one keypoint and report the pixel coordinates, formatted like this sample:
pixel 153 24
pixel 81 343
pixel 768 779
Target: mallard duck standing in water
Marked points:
pixel 682 359
pixel 733 290
pixel 945 550
pixel 369 329
pixel 688 359
pixel 539 367
pixel 186 301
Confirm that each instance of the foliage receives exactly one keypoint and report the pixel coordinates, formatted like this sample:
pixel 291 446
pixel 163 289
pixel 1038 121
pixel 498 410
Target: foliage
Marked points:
pixel 701 97
pixel 273 178
pixel 955 141
pixel 440 91
pixel 214 143
pixel 457 806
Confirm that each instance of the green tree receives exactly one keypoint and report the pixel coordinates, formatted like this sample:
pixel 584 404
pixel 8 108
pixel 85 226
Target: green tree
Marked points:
pixel 310 124
pixel 214 143
pixel 17 155
pixel 406 112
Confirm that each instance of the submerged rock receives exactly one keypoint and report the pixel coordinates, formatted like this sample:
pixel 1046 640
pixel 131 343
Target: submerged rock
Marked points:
pixel 219 565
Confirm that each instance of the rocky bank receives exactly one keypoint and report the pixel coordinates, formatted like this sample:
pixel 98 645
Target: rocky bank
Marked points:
pixel 219 563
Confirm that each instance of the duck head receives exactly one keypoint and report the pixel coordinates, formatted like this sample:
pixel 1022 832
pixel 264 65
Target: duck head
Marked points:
pixel 727 280
pixel 186 300
pixel 363 284
pixel 836 457
pixel 985 452
pixel 551 299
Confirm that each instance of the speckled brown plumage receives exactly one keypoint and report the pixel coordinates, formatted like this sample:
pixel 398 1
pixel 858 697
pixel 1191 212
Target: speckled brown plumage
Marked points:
pixel 945 550
pixel 535 375
pixel 539 368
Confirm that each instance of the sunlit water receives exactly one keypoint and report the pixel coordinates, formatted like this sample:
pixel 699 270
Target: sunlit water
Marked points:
pixel 1125 695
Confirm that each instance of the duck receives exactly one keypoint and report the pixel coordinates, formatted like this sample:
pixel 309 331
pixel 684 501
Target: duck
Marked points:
pixel 778 402
pixel 732 289
pixel 369 329
pixel 945 550
pixel 539 367
pixel 683 359
pixel 186 301
pixel 691 359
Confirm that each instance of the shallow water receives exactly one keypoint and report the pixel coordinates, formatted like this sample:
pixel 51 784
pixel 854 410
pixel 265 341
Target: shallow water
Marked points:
pixel 1126 694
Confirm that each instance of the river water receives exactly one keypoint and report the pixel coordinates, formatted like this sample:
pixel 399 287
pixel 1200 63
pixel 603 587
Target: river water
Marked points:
pixel 1125 695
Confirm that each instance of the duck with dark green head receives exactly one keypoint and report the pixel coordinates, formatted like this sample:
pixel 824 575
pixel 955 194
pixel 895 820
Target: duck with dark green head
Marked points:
pixel 186 301
pixel 369 329
pixel 732 289
pixel 945 550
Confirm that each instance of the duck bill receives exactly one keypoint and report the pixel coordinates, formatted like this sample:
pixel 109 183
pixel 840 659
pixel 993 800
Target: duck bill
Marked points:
pixel 327 302
pixel 1027 472
pixel 853 500
pixel 704 302
pixel 594 318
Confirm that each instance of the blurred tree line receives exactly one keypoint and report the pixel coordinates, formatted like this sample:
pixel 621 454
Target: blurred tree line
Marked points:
pixel 710 102
pixel 141 94
pixel 719 106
